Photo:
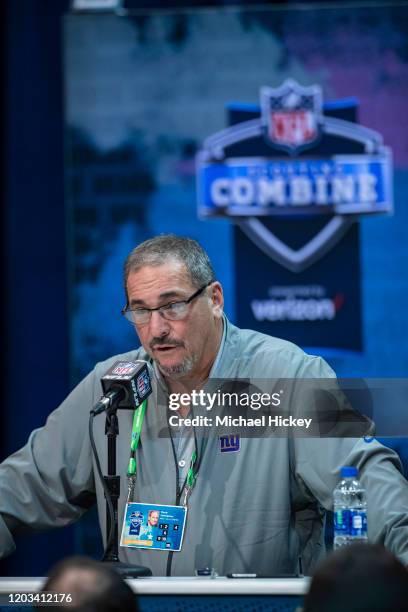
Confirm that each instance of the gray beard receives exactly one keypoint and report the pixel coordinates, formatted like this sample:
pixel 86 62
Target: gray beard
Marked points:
pixel 177 371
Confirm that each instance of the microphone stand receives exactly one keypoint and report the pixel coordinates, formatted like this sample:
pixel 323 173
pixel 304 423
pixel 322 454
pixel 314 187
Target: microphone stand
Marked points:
pixel 112 481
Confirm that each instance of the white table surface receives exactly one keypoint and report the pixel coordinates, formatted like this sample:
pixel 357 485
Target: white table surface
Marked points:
pixel 185 586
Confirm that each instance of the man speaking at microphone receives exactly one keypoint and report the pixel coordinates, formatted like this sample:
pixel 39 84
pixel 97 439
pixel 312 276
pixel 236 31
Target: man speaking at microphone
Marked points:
pixel 253 506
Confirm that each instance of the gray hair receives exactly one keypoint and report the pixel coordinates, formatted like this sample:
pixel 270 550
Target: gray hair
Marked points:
pixel 158 250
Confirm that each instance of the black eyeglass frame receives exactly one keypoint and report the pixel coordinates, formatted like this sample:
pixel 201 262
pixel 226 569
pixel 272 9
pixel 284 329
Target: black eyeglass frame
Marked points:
pixel 126 309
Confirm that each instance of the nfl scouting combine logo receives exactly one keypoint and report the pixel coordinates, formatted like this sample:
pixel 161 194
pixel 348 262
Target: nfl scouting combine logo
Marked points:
pixel 292 115
pixel 297 161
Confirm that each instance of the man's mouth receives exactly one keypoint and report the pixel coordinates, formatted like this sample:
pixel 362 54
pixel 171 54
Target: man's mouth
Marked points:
pixel 164 348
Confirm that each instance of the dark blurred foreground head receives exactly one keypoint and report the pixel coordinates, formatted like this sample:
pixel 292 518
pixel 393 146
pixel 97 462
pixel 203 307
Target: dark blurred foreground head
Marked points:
pixel 359 578
pixel 94 587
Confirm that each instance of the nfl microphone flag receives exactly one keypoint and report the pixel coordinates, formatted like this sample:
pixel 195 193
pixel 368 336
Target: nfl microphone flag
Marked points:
pixel 133 377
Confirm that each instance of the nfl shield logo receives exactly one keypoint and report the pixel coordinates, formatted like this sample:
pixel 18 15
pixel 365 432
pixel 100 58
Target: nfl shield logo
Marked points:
pixel 291 115
pixel 142 383
pixel 123 368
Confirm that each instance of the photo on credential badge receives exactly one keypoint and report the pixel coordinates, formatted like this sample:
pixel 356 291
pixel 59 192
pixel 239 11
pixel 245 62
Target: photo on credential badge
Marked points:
pixel 156 527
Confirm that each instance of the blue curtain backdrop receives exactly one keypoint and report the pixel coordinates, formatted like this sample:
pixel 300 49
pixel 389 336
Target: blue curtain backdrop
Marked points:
pixel 34 274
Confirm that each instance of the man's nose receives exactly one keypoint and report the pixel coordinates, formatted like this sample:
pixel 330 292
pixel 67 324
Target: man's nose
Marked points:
pixel 159 327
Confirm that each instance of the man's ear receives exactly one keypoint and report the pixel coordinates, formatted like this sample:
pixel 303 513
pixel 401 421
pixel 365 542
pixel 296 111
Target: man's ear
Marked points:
pixel 217 299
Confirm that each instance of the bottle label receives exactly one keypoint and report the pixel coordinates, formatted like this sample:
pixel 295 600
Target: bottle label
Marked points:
pixel 358 523
pixel 341 522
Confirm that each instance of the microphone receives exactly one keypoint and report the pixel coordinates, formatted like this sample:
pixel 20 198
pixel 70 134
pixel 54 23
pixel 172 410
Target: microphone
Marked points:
pixel 126 384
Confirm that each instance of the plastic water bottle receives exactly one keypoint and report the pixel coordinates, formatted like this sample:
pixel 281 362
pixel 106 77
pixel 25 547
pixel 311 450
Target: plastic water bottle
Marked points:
pixel 350 509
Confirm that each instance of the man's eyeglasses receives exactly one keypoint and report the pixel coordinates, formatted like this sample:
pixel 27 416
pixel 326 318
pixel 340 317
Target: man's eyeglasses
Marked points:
pixel 173 311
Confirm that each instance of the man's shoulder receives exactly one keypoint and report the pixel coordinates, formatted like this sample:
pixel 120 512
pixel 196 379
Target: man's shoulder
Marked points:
pixel 266 351
pixel 256 340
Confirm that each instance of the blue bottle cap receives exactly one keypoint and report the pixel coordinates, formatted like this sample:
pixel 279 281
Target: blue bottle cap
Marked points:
pixel 348 472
